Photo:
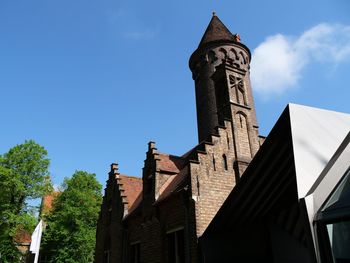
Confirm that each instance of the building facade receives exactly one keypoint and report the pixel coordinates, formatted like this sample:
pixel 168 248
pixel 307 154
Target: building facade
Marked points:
pixel 160 217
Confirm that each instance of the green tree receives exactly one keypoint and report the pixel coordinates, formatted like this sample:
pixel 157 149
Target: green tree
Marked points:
pixel 23 176
pixel 71 225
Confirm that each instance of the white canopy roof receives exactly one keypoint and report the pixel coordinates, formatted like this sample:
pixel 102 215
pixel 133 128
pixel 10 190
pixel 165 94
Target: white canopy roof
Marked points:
pixel 316 135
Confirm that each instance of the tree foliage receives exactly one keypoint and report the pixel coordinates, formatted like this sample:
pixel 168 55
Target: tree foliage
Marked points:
pixel 23 176
pixel 71 225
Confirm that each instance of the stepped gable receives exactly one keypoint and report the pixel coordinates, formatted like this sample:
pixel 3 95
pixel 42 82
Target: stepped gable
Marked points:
pixel 131 187
pixel 175 183
pixel 175 166
pixel 192 155
pixel 171 165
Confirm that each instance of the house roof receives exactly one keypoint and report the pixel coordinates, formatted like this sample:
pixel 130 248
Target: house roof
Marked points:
pixel 132 187
pixel 172 184
pixel 47 201
pixel 173 166
pixel 22 237
pixel 169 163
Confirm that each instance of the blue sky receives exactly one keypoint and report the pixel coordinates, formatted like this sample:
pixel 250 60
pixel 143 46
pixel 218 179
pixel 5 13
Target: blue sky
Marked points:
pixel 94 81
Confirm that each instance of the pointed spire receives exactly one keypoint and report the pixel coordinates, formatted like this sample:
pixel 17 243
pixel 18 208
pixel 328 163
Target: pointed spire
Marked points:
pixel 216 31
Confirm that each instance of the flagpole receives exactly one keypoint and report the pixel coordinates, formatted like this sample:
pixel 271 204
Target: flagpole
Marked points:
pixel 36 257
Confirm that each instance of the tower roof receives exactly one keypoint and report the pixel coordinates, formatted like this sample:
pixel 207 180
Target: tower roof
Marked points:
pixel 216 31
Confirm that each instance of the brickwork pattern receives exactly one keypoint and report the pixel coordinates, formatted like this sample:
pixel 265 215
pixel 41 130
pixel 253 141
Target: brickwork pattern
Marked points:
pixel 213 177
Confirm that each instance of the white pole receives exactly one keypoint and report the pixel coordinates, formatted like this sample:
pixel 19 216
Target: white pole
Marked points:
pixel 36 257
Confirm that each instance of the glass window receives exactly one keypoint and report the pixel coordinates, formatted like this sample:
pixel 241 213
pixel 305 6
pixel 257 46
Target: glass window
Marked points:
pixel 334 224
pixel 339 238
pixel 176 247
pixel 135 253
pixel 341 193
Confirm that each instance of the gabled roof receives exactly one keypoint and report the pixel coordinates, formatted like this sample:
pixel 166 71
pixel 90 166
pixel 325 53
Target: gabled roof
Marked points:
pixel 169 163
pixel 132 187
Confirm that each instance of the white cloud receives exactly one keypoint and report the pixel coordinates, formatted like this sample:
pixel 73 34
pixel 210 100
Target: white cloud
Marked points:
pixel 278 62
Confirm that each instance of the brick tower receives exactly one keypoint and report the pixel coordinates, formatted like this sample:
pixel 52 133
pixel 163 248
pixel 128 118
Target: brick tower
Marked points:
pixel 220 68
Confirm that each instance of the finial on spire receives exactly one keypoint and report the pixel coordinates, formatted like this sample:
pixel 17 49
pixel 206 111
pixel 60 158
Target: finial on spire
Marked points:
pixel 214 13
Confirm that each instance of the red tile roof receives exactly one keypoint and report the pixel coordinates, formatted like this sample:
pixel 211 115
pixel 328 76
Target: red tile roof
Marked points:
pixel 171 185
pixel 47 202
pixel 132 188
pixel 170 163
pixel 22 236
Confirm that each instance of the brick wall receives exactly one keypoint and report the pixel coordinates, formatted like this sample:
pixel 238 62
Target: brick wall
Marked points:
pixel 213 178
pixel 176 212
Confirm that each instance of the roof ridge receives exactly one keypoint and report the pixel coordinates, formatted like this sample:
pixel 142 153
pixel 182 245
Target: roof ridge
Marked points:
pixel 131 176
